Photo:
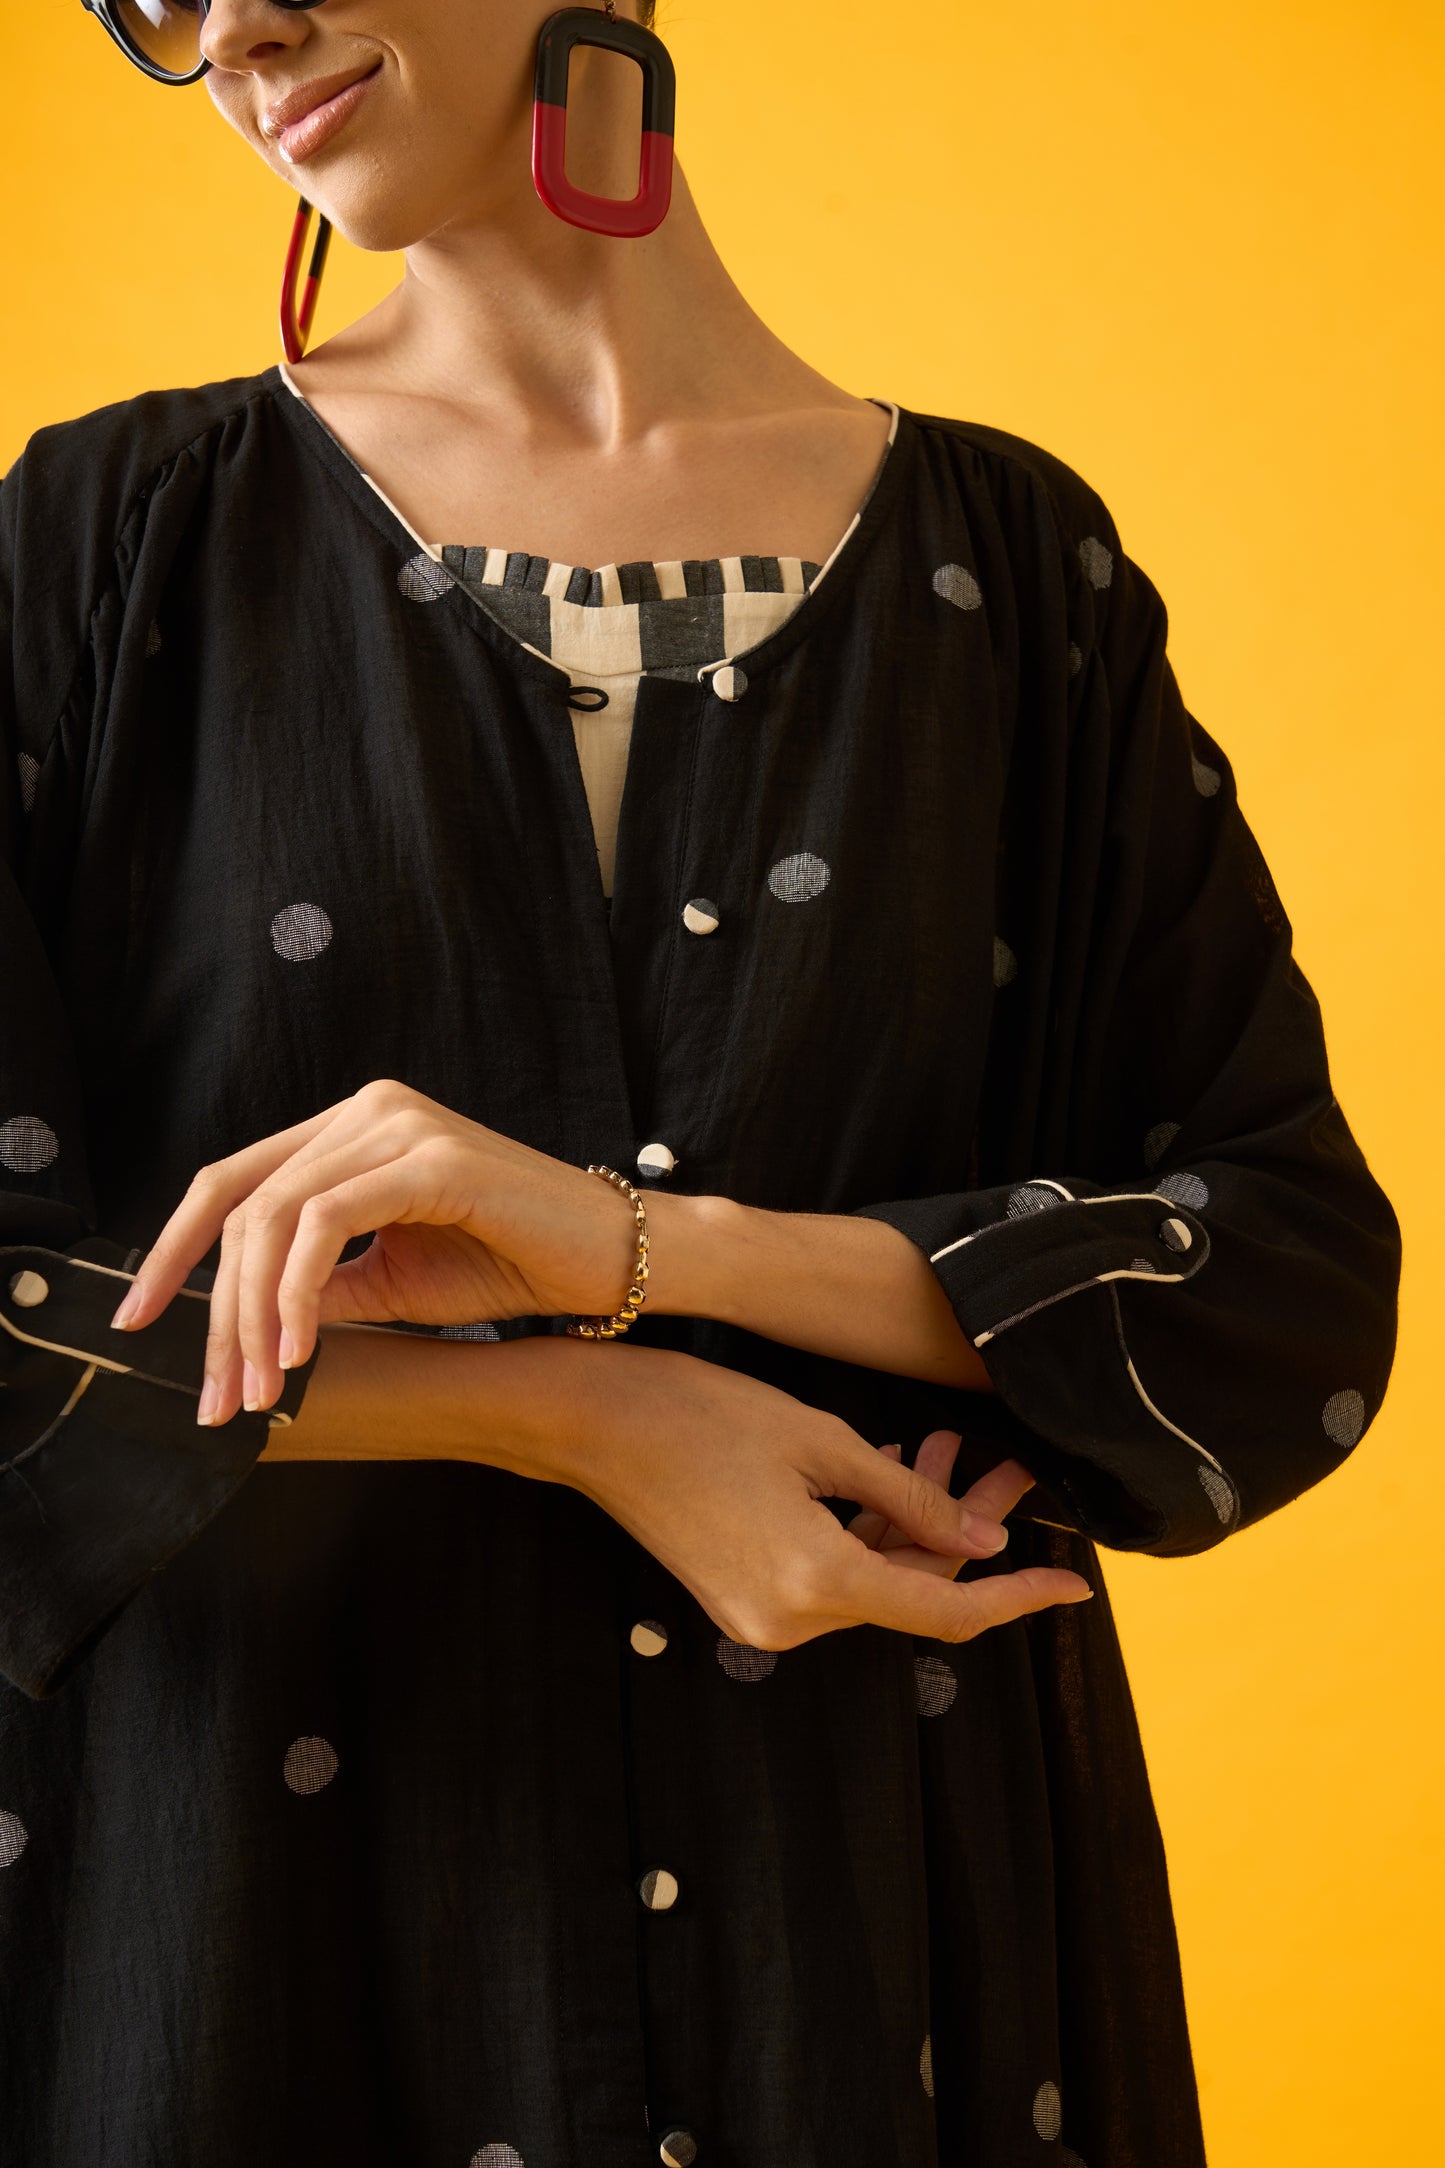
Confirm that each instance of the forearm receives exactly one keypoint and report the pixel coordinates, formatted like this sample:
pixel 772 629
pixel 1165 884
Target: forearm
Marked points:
pixel 855 1289
pixel 382 1395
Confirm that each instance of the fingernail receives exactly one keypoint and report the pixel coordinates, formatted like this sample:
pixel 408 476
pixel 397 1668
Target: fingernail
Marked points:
pixel 209 1402
pixel 286 1353
pixel 126 1309
pixel 987 1534
pixel 1088 1592
pixel 250 1387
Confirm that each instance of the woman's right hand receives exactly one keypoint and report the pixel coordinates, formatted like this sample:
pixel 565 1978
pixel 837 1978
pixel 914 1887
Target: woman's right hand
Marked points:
pixel 721 1476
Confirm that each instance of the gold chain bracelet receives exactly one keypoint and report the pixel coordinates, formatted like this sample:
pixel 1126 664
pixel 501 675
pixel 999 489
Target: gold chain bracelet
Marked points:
pixel 612 1328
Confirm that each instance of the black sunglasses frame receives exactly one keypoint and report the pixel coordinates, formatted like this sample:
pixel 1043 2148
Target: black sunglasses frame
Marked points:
pixel 105 12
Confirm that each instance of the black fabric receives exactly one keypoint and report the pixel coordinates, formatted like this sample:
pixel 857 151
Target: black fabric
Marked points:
pixel 325 1847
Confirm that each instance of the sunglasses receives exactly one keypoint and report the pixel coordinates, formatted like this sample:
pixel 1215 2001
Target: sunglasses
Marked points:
pixel 163 37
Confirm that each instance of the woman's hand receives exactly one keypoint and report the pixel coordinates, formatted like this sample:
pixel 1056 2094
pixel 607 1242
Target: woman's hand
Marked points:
pixel 721 1478
pixel 469 1225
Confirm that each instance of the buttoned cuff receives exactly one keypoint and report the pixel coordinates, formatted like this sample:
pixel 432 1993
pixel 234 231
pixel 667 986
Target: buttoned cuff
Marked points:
pixel 104 1472
pixel 1041 1275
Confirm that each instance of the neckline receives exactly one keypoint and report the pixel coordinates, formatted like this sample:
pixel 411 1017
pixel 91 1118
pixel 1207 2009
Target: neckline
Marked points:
pixel 890 477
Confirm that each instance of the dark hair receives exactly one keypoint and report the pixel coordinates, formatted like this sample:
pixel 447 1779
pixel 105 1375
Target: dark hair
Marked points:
pixel 646 13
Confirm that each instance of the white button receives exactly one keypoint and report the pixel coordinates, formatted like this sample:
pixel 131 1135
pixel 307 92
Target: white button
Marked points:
pixel 1175 1235
pixel 678 2149
pixel 730 683
pixel 658 1889
pixel 28 1289
pixel 649 1637
pixel 656 1159
pixel 699 915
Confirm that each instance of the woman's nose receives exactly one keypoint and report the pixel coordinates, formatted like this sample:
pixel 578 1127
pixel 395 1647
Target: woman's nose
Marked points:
pixel 237 33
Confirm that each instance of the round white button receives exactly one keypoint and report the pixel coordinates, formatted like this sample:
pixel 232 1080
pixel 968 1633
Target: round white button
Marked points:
pixel 656 1159
pixel 658 1889
pixel 731 682
pixel 699 915
pixel 28 1289
pixel 678 2149
pixel 649 1637
pixel 1175 1235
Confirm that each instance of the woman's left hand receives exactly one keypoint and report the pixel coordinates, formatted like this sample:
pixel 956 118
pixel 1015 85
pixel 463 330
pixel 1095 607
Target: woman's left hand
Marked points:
pixel 468 1225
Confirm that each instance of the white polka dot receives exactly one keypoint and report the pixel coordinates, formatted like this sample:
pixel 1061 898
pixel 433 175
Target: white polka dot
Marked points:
pixel 1032 1197
pixel 498 2155
pixel 153 638
pixel 799 878
pixel 1344 1416
pixel 310 1764
pixel 1097 561
pixel 484 1329
pixel 29 777
pixel 1187 1189
pixel 14 1837
pixel 1142 1264
pixel 1076 658
pixel 1005 963
pixel 1206 779
pixel 1048 2110
pixel 925 2064
pixel 300 932
pixel 741 1661
pixel 27 1144
pixel 1217 1491
pixel 1158 1141
pixel 957 585
pixel 731 682
pixel 422 579
pixel 934 1684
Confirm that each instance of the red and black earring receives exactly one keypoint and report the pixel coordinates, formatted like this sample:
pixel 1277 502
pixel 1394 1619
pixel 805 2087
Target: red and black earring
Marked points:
pixel 627 217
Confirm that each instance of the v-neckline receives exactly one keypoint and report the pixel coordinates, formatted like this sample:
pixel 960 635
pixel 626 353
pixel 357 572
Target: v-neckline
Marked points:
pixel 884 491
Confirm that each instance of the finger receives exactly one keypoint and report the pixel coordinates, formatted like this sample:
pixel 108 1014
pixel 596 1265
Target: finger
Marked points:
pixel 870 1527
pixel 923 1510
pixel 871 1591
pixel 999 1490
pixel 199 1218
pixel 222 1387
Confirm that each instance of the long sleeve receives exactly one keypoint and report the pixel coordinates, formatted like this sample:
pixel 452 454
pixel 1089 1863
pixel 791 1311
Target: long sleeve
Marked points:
pixel 104 1472
pixel 1193 1314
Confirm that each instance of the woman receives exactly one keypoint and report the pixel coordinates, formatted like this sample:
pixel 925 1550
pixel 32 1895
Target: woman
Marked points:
pixel 551 729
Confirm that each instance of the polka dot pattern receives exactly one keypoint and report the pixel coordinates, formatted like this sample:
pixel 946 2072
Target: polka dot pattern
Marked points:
pixel 935 1685
pixel 153 638
pixel 29 777
pixel 1048 2110
pixel 1217 1491
pixel 956 584
pixel 1188 1189
pixel 1344 1416
pixel 422 579
pixel 496 2155
pixel 1142 1264
pixel 14 1837
pixel 800 877
pixel 27 1144
pixel 1076 658
pixel 741 1661
pixel 310 1764
pixel 925 2064
pixel 1206 779
pixel 1158 1141
pixel 1097 560
pixel 1032 1197
pixel 1005 963
pixel 300 932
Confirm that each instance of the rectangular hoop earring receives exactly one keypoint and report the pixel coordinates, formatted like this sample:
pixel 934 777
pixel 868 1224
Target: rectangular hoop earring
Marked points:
pixel 627 217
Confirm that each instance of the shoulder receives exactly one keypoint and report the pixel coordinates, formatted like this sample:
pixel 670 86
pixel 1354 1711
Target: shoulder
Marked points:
pixel 108 455
pixel 1020 476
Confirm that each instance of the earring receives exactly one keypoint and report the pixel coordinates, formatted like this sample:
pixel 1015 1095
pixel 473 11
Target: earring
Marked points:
pixel 296 328
pixel 624 216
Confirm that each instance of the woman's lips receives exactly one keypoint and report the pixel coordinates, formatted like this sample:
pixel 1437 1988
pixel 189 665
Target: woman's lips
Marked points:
pixel 321 123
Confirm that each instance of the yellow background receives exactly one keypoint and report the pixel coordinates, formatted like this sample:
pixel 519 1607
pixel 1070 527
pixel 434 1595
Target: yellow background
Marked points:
pixel 1191 252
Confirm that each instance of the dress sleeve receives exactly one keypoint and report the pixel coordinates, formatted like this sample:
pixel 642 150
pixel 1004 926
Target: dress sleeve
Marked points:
pixel 104 1472
pixel 1194 1315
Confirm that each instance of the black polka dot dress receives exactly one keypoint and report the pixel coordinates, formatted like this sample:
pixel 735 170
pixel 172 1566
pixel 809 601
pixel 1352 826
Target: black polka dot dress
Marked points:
pixel 388 1812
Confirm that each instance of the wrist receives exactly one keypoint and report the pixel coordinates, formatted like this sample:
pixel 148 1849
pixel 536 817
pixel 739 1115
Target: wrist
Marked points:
pixel 695 1245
